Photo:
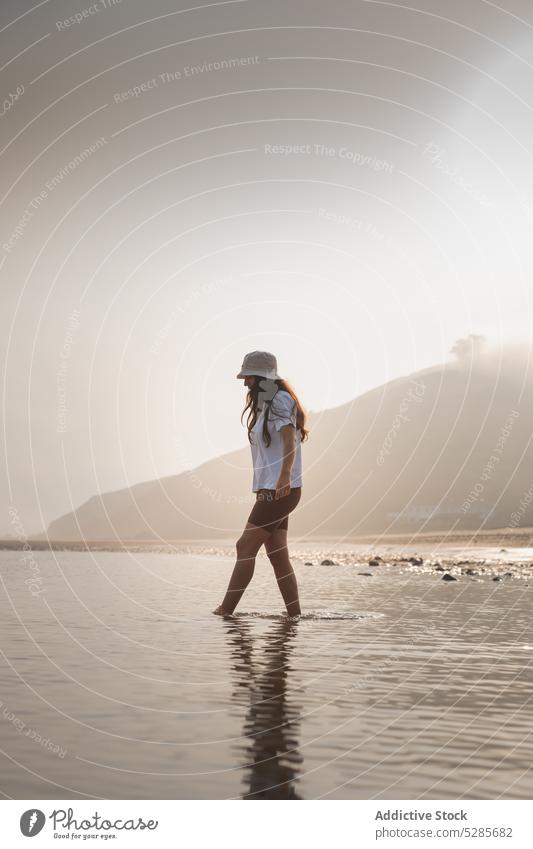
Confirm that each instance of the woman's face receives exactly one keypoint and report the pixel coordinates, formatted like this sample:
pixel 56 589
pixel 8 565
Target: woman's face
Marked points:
pixel 249 381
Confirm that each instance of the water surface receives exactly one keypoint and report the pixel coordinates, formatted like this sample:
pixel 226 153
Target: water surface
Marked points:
pixel 118 682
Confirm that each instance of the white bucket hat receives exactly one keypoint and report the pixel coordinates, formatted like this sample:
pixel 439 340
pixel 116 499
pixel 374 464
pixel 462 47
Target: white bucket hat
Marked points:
pixel 261 363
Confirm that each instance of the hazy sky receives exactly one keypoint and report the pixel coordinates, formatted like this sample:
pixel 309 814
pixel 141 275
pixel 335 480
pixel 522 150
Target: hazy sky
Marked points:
pixel 347 184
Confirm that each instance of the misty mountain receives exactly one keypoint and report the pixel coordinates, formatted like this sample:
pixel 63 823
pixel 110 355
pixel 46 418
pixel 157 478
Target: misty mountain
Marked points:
pixel 444 448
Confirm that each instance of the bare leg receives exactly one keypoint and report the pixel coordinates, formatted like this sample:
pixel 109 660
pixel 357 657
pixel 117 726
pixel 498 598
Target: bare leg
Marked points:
pixel 278 554
pixel 248 545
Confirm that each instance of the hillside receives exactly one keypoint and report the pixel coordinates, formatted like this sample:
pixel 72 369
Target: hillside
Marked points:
pixel 413 454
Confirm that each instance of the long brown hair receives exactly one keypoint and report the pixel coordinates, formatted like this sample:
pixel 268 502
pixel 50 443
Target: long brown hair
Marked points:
pixel 252 407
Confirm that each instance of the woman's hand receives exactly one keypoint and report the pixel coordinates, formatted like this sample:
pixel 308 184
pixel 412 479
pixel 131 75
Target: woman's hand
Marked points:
pixel 283 487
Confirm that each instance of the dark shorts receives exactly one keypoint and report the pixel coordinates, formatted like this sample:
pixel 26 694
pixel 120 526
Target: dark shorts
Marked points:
pixel 271 514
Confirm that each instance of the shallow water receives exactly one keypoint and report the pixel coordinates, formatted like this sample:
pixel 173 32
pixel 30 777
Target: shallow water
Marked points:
pixel 118 682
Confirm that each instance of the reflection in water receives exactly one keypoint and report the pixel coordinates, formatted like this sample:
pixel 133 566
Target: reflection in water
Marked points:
pixel 273 759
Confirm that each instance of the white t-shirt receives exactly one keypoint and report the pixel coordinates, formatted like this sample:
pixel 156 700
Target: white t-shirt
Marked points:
pixel 268 461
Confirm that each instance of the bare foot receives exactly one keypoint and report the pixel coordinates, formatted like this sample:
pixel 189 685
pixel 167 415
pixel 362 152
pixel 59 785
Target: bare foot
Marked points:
pixel 220 611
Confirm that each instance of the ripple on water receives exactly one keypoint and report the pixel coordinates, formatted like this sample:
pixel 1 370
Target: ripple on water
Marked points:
pixel 312 615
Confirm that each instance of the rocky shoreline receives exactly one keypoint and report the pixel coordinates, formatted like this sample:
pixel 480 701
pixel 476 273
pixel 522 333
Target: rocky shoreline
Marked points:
pixel 446 568
pixel 470 566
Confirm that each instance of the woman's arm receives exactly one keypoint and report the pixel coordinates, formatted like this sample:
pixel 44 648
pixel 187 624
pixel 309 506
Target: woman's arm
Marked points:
pixel 288 438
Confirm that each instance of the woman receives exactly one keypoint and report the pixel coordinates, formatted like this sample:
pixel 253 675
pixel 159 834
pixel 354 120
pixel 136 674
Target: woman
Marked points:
pixel 276 429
